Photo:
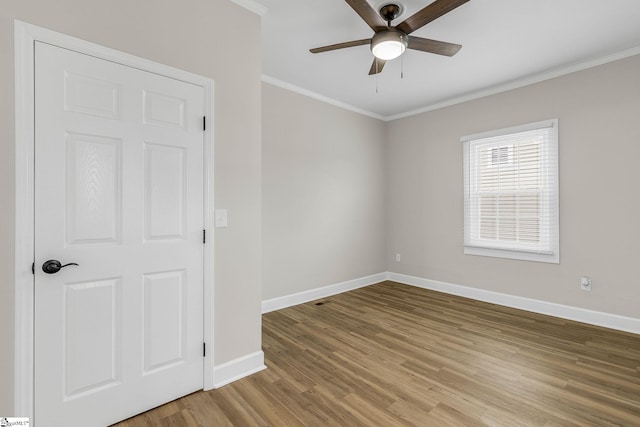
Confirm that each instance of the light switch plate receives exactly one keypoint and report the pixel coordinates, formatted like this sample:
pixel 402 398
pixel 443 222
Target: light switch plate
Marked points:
pixel 221 218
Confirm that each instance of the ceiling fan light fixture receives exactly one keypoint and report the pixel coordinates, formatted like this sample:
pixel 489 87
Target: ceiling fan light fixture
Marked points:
pixel 388 45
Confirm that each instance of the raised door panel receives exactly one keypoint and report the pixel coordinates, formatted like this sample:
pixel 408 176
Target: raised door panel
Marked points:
pixel 165 192
pixel 94 189
pixel 92 335
pixel 88 95
pixel 164 314
pixel 164 110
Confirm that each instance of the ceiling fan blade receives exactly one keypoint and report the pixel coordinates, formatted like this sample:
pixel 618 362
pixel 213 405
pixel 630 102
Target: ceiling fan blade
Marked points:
pixel 428 14
pixel 377 66
pixel 368 14
pixel 340 45
pixel 433 46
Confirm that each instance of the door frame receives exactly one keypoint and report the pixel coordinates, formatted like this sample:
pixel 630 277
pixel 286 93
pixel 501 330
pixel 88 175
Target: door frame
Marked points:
pixel 25 36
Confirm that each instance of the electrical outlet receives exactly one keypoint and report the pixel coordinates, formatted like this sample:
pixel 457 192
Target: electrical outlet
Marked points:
pixel 585 283
pixel 398 257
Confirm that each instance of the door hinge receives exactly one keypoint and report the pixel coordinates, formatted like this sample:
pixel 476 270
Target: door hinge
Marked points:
pixel 204 123
pixel 204 236
pixel 33 268
pixel 204 349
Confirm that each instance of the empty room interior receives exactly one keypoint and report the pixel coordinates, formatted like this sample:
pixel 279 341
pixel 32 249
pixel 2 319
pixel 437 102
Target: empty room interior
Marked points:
pixel 284 212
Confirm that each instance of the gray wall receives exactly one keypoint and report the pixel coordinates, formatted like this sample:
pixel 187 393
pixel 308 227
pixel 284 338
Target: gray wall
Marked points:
pixel 323 186
pixel 599 147
pixel 182 34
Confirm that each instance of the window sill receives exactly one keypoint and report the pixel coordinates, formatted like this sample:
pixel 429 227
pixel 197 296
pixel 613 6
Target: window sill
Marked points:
pixel 552 258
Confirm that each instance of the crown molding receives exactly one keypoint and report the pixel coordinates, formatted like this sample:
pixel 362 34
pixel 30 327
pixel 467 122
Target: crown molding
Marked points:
pixel 515 84
pixel 317 96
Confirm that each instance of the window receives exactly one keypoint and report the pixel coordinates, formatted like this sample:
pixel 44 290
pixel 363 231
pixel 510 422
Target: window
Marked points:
pixel 511 193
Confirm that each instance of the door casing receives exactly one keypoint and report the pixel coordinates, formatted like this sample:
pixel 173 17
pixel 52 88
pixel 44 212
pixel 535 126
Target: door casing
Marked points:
pixel 24 37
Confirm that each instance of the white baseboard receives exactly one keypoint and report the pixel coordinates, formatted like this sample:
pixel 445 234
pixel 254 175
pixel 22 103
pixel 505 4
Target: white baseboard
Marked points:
pixel 238 368
pixel 323 292
pixel 597 318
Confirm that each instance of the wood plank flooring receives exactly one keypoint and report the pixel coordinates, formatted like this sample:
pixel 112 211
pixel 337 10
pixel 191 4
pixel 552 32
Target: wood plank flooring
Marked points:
pixel 391 354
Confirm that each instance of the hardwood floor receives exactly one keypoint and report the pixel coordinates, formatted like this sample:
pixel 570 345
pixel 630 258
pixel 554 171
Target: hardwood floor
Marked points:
pixel 391 354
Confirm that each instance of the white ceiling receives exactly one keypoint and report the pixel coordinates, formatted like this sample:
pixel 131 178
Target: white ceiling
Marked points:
pixel 506 43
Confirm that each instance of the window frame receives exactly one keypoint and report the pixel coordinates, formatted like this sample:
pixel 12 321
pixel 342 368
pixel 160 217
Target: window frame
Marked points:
pixel 549 250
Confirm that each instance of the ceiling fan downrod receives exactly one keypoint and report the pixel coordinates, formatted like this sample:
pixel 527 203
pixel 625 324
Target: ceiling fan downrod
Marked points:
pixel 389 12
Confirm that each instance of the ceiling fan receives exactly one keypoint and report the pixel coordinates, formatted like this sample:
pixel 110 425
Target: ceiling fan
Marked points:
pixel 390 42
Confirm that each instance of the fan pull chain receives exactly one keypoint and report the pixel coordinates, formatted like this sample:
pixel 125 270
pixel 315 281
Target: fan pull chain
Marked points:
pixel 377 74
pixel 402 62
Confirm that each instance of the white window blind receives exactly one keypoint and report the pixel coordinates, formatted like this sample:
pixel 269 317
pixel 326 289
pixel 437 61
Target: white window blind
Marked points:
pixel 511 193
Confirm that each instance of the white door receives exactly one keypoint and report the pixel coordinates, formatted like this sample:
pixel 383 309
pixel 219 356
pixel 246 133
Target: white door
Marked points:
pixel 119 191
